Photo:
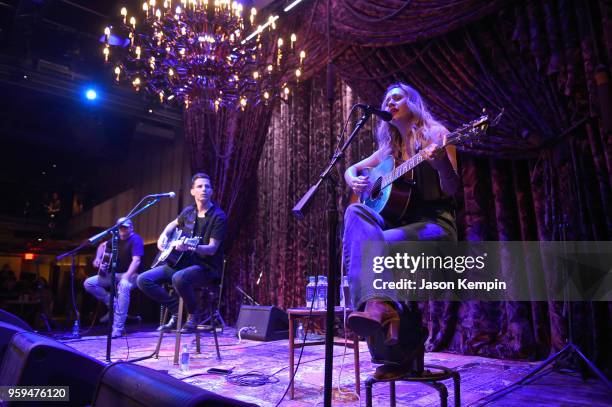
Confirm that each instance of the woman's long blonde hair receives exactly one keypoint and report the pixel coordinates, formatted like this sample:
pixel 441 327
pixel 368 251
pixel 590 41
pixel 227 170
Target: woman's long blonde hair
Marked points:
pixel 388 135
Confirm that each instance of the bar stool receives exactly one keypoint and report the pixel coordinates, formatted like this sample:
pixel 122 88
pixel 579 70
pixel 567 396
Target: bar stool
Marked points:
pixel 429 378
pixel 179 324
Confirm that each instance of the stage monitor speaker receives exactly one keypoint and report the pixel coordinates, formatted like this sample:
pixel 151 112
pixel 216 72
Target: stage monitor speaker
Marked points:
pixel 12 319
pixel 35 360
pixel 127 385
pixel 267 323
pixel 6 334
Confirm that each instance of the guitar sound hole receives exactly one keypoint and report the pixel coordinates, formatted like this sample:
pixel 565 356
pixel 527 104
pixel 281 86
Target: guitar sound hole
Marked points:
pixel 376 189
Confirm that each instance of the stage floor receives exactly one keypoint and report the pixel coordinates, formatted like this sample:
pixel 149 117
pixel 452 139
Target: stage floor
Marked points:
pixel 480 377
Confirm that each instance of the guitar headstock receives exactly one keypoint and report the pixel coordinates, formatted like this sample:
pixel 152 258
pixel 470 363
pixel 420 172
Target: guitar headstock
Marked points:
pixel 471 132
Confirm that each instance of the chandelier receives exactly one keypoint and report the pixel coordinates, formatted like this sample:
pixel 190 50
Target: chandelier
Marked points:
pixel 196 51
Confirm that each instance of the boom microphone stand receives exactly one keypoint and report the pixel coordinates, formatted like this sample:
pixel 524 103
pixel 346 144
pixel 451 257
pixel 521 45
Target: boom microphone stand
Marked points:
pixel 93 241
pixel 248 297
pixel 75 333
pixel 299 211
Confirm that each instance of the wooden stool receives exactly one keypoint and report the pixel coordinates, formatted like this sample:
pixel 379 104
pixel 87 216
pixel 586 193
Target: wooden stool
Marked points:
pixel 177 341
pixel 179 322
pixel 431 379
pixel 296 313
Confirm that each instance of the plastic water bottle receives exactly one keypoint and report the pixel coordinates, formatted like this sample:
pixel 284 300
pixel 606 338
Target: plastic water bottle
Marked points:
pixel 299 332
pixel 185 359
pixel 344 291
pixel 76 329
pixel 310 292
pixel 322 293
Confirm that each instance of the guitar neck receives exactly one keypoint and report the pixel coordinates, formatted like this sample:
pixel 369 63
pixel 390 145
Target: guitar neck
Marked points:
pixel 402 169
pixel 467 131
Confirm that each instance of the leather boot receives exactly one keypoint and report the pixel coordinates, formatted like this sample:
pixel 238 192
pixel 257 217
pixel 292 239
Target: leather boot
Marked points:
pixel 192 323
pixel 413 364
pixel 377 314
pixel 117 333
pixel 169 326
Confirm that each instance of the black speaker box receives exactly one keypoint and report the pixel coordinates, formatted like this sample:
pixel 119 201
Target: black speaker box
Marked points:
pixel 6 334
pixel 267 323
pixel 128 385
pixel 34 360
pixel 9 318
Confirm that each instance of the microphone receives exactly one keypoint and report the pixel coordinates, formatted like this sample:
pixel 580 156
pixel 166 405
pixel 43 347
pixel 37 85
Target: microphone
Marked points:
pixel 382 114
pixel 166 195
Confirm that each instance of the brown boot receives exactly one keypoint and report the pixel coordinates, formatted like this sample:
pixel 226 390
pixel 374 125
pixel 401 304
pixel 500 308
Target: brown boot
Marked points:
pixel 412 367
pixel 413 364
pixel 376 315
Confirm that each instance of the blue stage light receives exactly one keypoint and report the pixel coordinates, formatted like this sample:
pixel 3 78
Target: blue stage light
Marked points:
pixel 91 94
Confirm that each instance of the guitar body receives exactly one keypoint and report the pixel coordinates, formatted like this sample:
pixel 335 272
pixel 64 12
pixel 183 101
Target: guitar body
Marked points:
pixel 392 201
pixel 104 264
pixel 170 255
pixel 390 183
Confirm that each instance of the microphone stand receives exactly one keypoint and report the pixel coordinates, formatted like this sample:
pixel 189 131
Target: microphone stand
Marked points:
pixel 299 211
pixel 92 241
pixel 570 348
pixel 75 334
pixel 248 297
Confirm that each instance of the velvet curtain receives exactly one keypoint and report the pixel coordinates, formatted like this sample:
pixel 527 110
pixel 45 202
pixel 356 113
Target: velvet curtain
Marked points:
pixel 545 165
pixel 227 147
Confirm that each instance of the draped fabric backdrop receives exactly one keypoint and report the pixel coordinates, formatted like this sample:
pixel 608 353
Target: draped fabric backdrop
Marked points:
pixel 545 166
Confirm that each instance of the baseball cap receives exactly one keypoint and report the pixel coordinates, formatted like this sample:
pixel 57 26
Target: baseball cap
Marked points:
pixel 125 222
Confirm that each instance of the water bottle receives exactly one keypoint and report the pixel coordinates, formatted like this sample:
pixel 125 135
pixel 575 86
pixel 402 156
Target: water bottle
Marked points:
pixel 322 293
pixel 344 291
pixel 75 329
pixel 310 292
pixel 299 332
pixel 185 359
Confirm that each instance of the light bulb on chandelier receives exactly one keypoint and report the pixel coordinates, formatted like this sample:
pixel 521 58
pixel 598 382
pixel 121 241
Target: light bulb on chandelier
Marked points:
pixel 194 52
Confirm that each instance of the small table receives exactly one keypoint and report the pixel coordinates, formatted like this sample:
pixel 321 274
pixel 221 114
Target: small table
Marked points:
pixel 297 313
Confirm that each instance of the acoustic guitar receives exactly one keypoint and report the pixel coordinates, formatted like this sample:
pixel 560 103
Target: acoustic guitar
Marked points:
pixel 388 190
pixel 170 255
pixel 104 262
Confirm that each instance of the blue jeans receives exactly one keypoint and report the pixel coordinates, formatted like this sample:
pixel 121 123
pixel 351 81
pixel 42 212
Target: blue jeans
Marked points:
pixel 183 281
pixel 99 286
pixel 362 224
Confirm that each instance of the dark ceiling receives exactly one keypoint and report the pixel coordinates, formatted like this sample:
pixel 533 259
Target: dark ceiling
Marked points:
pixel 52 139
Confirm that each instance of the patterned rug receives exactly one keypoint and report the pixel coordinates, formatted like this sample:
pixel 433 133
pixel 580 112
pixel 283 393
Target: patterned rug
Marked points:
pixel 480 376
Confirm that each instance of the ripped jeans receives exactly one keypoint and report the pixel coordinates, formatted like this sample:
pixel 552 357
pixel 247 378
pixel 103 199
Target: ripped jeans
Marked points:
pixel 99 288
pixel 362 224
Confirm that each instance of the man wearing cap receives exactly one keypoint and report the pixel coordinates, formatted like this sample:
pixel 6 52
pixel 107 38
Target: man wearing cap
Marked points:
pixel 129 255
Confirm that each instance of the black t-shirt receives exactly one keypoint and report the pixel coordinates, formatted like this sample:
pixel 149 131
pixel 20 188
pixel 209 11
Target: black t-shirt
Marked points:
pixel 132 246
pixel 428 203
pixel 212 225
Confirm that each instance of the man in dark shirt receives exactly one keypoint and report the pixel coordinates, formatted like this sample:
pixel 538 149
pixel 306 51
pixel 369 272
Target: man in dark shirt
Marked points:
pixel 129 256
pixel 200 263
